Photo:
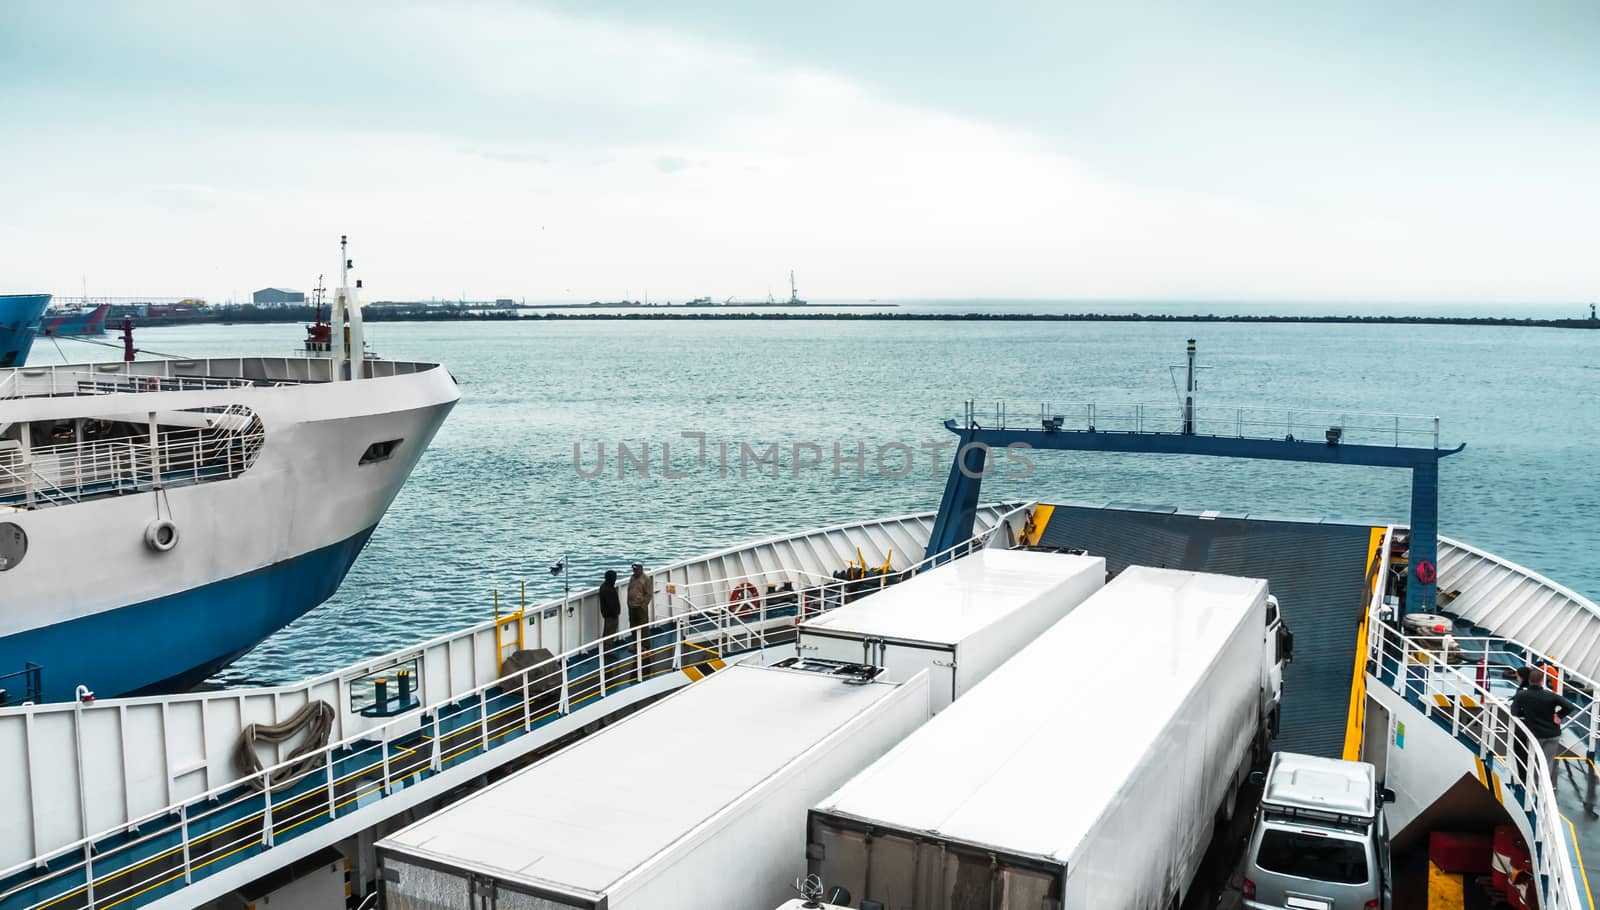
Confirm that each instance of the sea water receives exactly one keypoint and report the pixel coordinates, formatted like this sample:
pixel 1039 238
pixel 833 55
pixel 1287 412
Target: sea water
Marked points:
pixel 499 497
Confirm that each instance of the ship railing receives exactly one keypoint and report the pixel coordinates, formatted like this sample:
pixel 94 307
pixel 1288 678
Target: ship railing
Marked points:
pixel 1355 427
pixel 149 856
pixel 66 473
pixel 1459 697
pixel 112 378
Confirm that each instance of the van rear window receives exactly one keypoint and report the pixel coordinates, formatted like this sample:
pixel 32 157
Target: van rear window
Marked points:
pixel 1326 859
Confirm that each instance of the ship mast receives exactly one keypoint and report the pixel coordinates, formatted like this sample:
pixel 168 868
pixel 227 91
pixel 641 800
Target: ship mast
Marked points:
pixel 347 305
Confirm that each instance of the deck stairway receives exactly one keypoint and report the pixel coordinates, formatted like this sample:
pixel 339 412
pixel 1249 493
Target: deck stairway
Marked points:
pixel 1464 692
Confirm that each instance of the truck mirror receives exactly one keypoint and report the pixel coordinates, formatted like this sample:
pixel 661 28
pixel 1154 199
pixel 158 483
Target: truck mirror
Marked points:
pixel 1385 795
pixel 1257 778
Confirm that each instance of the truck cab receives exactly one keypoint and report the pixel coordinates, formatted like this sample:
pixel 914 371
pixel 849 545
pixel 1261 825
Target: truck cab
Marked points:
pixel 1277 654
pixel 1319 841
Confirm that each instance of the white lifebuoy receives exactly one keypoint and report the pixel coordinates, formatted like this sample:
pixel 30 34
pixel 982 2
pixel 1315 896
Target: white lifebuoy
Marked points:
pixel 161 535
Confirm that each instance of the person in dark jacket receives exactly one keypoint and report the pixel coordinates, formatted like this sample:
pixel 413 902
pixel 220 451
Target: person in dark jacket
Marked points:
pixel 1541 711
pixel 610 603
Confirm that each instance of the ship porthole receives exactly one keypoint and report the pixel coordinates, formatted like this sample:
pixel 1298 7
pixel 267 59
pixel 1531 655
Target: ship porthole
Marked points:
pixel 13 545
pixel 161 535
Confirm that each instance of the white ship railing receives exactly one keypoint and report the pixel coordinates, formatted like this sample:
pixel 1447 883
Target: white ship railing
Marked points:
pixel 1418 669
pixel 1355 427
pixel 142 859
pixel 203 374
pixel 29 382
pixel 69 472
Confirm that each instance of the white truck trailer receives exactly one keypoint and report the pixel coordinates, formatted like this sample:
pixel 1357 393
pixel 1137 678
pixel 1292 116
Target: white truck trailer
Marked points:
pixel 699 800
pixel 958 621
pixel 1085 774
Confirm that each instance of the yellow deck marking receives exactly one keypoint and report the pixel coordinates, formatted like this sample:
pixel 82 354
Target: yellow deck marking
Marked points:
pixel 1446 891
pixel 1356 720
pixel 1572 832
pixel 1036 524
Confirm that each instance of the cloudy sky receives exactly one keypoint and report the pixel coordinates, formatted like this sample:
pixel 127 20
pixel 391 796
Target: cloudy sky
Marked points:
pixel 580 150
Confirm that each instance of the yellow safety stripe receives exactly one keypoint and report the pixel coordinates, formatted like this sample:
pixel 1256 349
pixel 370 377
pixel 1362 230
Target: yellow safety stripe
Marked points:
pixel 1356 720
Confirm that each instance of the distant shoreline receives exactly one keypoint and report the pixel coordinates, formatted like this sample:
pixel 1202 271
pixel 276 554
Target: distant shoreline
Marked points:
pixel 378 314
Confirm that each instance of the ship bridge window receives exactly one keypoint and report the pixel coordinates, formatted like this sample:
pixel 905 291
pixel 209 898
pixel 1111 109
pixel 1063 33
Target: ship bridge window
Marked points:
pixel 380 451
pixel 13 545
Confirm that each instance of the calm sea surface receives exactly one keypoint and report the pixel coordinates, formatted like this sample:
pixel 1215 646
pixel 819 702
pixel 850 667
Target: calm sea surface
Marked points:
pixel 497 498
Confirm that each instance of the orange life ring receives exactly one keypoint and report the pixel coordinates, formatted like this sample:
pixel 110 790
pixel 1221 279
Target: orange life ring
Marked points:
pixel 1426 573
pixel 745 600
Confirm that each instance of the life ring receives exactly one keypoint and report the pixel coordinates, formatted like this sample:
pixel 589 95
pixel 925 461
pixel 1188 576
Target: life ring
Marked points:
pixel 161 535
pixel 1426 573
pixel 745 600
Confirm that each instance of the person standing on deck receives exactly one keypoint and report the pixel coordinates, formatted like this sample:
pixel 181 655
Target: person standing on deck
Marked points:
pixel 641 594
pixel 610 604
pixel 1541 710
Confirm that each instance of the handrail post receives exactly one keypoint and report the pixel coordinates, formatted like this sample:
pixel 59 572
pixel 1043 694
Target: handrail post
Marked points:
pixel 333 797
pixel 677 644
pixel 638 652
pixel 566 703
pixel 266 813
pixel 183 838
pixel 383 747
pixel 483 718
pixel 88 872
pixel 600 661
pixel 435 762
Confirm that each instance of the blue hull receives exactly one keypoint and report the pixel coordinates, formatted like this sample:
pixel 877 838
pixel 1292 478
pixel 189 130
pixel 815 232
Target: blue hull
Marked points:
pixel 172 643
pixel 19 323
pixel 78 322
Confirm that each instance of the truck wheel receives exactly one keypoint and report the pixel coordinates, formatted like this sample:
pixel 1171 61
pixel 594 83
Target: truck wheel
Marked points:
pixel 1230 802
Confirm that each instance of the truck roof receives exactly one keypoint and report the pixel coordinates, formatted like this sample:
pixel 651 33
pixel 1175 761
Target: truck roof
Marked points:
pixel 948 604
pixel 1032 758
pixel 1321 784
pixel 590 814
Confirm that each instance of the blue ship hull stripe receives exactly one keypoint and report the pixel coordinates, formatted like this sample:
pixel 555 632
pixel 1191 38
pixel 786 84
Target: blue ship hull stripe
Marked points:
pixel 173 642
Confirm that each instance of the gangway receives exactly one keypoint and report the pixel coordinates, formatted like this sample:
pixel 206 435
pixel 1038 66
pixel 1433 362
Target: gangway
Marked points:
pixel 200 847
pixel 1461 688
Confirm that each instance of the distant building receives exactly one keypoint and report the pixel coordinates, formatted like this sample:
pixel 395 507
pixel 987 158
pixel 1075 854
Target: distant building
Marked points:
pixel 277 297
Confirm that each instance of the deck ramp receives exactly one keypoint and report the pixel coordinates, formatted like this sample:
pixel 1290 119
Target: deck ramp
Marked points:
pixel 1317 570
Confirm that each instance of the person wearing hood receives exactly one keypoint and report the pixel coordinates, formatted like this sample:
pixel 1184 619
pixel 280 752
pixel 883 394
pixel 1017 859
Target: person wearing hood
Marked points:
pixel 610 603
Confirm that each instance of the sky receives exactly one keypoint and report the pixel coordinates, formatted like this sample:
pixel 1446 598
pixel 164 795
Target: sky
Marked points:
pixel 1254 151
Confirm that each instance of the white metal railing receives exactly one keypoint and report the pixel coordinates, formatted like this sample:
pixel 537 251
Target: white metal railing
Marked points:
pixel 1460 699
pixel 218 373
pixel 1357 427
pixel 66 473
pixel 61 381
pixel 188 838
